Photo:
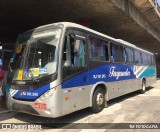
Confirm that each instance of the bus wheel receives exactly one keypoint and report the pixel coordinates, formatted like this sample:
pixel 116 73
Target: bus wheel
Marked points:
pixel 143 89
pixel 98 100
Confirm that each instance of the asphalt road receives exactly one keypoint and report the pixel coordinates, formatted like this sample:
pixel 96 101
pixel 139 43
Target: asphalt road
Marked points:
pixel 131 108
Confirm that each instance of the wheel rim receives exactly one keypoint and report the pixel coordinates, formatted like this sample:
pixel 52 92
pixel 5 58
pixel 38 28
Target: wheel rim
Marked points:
pixel 100 99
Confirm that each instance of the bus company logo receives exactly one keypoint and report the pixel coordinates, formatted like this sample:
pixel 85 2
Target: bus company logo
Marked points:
pixel 117 74
pixel 21 94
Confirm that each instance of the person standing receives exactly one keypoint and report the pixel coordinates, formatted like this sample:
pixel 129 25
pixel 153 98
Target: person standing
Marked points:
pixel 1 86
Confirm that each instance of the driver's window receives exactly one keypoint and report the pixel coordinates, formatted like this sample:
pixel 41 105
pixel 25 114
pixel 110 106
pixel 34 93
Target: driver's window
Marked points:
pixel 78 53
pixel 74 52
pixel 74 57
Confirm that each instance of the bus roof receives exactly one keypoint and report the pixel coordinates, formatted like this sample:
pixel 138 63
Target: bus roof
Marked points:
pixel 70 24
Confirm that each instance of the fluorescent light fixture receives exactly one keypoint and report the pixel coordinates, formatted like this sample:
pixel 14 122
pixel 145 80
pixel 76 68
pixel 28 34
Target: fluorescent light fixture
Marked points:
pixel 39 52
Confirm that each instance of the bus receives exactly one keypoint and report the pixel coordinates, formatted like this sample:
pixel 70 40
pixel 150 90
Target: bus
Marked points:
pixel 64 67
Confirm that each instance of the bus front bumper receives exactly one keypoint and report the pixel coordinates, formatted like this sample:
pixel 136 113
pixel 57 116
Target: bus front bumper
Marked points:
pixel 44 109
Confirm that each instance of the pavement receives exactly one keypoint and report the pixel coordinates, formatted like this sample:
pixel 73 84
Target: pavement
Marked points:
pixel 130 108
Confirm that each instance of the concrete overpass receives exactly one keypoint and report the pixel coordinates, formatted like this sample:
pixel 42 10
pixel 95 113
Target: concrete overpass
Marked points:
pixel 136 21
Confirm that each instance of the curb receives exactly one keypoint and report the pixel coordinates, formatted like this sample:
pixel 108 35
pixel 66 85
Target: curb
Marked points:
pixel 4 111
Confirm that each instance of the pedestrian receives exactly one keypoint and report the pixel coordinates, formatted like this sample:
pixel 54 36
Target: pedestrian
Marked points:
pixel 1 87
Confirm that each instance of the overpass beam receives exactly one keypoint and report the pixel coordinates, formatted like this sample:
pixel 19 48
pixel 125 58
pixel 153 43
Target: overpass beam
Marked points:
pixel 137 16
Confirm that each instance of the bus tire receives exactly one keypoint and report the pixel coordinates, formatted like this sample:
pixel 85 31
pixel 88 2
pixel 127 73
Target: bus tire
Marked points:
pixel 98 100
pixel 143 89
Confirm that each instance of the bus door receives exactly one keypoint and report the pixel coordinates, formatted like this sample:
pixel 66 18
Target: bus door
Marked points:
pixel 74 72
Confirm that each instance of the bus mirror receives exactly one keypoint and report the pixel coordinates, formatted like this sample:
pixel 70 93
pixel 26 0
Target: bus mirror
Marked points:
pixel 72 36
pixel 11 60
pixel 76 46
pixel 12 64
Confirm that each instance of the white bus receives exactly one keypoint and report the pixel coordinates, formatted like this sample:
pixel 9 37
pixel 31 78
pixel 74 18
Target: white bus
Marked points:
pixel 63 67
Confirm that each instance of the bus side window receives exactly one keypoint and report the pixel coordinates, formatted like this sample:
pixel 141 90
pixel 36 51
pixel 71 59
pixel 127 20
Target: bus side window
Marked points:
pixel 125 56
pixel 128 55
pixel 137 57
pixel 99 49
pixel 144 59
pixel 116 53
pixel 104 51
pixel 149 59
pixel 153 60
pixel 112 53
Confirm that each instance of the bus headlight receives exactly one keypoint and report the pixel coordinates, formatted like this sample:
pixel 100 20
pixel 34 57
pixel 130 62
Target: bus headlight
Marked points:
pixel 47 94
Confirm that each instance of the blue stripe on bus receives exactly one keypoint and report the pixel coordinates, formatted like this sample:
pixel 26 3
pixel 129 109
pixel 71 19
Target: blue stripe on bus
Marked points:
pixel 107 73
pixel 31 94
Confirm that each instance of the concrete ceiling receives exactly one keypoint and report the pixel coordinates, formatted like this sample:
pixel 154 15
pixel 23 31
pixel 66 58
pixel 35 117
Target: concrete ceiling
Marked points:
pixel 17 16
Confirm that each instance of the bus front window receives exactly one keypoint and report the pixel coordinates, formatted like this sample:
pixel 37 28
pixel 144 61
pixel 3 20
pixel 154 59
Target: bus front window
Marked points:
pixel 37 57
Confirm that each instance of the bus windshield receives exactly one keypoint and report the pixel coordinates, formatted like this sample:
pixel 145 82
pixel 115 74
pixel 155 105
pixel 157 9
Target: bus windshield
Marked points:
pixel 36 55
